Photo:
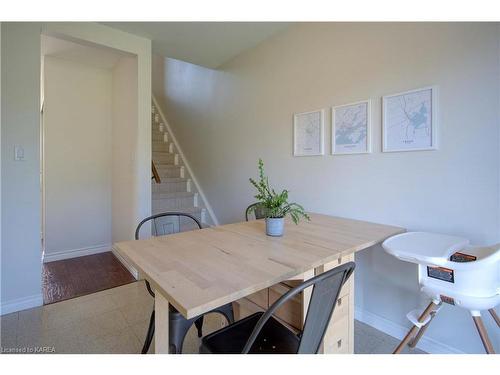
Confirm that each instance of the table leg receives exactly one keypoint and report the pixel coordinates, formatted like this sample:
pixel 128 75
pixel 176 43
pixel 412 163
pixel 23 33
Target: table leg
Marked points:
pixel 161 324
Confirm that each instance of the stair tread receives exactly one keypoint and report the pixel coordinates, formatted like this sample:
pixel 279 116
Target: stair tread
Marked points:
pixel 160 166
pixel 189 210
pixel 166 166
pixel 176 194
pixel 173 179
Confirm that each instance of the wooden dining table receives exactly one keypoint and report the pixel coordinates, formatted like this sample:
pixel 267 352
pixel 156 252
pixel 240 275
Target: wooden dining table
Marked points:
pixel 200 270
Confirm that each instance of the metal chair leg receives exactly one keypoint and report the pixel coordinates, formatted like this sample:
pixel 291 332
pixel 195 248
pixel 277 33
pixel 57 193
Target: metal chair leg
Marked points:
pixel 150 334
pixel 199 325
pixel 488 346
pixel 227 312
pixel 414 329
pixel 179 328
pixel 495 316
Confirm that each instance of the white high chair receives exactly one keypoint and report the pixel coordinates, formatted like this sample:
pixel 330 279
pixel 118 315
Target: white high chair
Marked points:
pixel 450 271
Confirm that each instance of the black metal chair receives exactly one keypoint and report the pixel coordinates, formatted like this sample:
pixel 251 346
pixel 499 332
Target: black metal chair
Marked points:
pixel 260 333
pixel 258 210
pixel 164 224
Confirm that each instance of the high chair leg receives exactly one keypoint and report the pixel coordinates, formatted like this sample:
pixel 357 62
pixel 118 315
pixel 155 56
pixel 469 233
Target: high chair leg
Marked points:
pixel 488 346
pixel 414 329
pixel 495 316
pixel 421 331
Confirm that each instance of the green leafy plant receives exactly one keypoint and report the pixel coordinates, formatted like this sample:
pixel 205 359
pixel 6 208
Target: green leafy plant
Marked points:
pixel 275 205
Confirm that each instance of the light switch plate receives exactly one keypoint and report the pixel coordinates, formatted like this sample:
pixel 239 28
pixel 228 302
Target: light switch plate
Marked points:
pixel 18 153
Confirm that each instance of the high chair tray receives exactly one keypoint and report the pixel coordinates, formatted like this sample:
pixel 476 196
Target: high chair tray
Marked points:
pixel 424 247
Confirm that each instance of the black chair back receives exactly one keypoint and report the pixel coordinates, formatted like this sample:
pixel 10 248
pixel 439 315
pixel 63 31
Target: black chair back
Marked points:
pixel 169 222
pixel 326 289
pixel 258 210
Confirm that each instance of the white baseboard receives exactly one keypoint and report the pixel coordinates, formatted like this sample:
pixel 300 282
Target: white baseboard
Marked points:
pixel 74 253
pixel 21 304
pixel 398 331
pixel 127 265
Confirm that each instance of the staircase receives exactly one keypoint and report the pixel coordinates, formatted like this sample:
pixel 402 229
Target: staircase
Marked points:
pixel 175 191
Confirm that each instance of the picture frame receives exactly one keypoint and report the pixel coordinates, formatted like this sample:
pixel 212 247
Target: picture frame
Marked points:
pixel 308 133
pixel 410 120
pixel 351 128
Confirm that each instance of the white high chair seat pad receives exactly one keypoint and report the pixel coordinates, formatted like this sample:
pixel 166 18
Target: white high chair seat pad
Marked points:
pixel 424 247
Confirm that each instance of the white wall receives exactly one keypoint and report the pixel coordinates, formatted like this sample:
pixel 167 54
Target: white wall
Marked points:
pixel 226 119
pixel 0 157
pixel 92 33
pixel 21 208
pixel 77 122
pixel 20 247
pixel 124 112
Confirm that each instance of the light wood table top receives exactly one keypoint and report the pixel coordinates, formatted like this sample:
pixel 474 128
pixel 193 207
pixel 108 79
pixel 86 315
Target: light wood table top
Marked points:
pixel 199 270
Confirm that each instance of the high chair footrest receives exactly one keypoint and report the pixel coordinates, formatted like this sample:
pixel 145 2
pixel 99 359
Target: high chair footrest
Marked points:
pixel 413 318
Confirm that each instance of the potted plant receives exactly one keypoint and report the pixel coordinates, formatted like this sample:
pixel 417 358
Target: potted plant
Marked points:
pixel 275 205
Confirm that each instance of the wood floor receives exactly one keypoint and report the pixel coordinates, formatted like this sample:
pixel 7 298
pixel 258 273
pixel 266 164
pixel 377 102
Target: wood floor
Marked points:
pixel 70 278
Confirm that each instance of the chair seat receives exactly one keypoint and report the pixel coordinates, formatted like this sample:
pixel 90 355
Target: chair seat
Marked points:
pixel 274 338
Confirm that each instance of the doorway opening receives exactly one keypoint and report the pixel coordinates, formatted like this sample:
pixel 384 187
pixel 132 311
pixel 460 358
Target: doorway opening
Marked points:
pixel 88 126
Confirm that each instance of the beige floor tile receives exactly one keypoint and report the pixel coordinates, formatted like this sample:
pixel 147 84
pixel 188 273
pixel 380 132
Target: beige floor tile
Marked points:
pixel 34 321
pixel 135 285
pixel 124 342
pixel 95 306
pixel 368 340
pixel 8 331
pixel 8 319
pixel 8 324
pixel 31 322
pixel 137 312
pixel 64 326
pixel 140 329
pixel 51 339
pixel 116 321
pixel 108 323
pixel 130 296
pixel 77 338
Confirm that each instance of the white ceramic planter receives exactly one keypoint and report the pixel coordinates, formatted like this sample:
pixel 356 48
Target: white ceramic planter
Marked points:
pixel 275 226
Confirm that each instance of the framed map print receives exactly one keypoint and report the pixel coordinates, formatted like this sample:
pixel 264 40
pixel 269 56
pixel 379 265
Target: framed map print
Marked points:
pixel 308 133
pixel 410 120
pixel 351 128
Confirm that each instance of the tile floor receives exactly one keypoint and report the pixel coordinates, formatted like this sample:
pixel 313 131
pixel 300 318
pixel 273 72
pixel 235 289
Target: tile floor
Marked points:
pixel 115 321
